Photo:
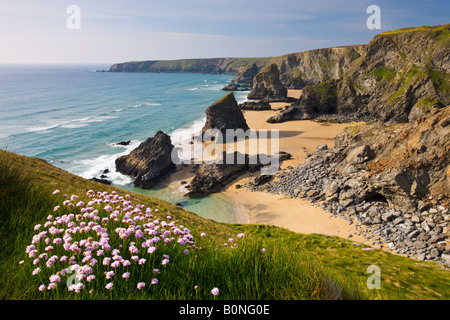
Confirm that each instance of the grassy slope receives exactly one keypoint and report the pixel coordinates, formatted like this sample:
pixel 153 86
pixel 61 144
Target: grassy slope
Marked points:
pixel 320 257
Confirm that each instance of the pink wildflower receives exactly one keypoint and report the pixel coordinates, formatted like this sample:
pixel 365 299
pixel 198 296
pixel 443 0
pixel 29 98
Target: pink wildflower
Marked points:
pixel 141 285
pixel 215 291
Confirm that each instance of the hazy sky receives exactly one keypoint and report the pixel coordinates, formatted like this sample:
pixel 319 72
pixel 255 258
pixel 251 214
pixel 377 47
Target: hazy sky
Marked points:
pixel 35 31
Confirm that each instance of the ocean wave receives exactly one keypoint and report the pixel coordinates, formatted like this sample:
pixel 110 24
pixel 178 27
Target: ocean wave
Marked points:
pixel 95 167
pixel 182 137
pixel 72 124
pixel 193 89
pixel 146 104
pixel 43 129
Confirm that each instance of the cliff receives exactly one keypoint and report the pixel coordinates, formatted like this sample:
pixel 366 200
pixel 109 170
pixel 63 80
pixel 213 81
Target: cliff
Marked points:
pixel 212 65
pixel 399 76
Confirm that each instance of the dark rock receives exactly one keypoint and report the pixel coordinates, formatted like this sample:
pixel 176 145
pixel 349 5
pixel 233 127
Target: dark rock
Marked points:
pixel 231 87
pixel 225 114
pixel 124 143
pixel 262 179
pixel 245 74
pixel 104 181
pixel 211 177
pixel 149 162
pixel 267 85
pixel 260 105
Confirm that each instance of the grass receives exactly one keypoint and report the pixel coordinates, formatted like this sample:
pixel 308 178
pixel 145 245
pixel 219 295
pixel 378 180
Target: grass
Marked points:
pixel 294 266
pixel 441 29
pixel 382 74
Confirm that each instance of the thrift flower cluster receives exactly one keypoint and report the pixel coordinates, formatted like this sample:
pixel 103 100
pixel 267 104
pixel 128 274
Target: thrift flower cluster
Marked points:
pixel 103 242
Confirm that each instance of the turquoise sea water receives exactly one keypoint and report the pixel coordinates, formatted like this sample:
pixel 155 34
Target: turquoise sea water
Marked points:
pixel 73 117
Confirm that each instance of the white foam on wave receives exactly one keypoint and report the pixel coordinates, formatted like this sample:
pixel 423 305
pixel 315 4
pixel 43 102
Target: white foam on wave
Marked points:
pixel 182 137
pixel 145 104
pixel 76 123
pixel 44 129
pixel 96 166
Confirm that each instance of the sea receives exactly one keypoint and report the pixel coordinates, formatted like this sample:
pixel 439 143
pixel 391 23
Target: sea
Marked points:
pixel 74 117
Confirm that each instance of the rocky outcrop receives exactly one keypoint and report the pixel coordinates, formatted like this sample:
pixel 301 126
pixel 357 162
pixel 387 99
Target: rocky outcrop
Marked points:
pixel 246 73
pixel 212 65
pixel 255 105
pixel 300 69
pixel 233 86
pixel 149 162
pixel 212 177
pixel 393 79
pixel 225 114
pixel 394 180
pixel 267 85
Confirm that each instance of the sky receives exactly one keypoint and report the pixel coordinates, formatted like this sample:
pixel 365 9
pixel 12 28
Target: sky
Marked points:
pixel 110 31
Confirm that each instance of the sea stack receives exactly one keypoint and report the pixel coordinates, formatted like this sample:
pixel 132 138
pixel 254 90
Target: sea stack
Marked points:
pixel 149 162
pixel 267 85
pixel 225 114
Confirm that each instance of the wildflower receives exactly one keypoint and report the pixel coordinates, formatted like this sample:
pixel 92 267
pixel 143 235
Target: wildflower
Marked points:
pixel 36 227
pixel 240 235
pixel 186 251
pixel 90 278
pixel 42 287
pixel 74 198
pixel 51 286
pixel 231 240
pixel 195 287
pixel 165 261
pixel 109 286
pixel 141 285
pixel 21 262
pixel 215 291
pixel 55 278
pixel 126 263
pixel 263 250
pixel 106 261
pixel 142 261
pixel 154 281
pixel 126 275
pixel 56 191
pixel 151 249
pixel 156 271
pixel 36 271
pixel 202 234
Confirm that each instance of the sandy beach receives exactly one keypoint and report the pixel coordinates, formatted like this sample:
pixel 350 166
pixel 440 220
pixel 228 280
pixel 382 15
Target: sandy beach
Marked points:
pixel 297 138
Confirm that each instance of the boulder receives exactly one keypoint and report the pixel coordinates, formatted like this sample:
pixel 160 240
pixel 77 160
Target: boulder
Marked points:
pixel 255 105
pixel 149 162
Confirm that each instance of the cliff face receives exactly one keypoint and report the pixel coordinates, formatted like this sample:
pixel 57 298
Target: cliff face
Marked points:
pixel 311 67
pixel 213 66
pixel 399 76
pixel 267 85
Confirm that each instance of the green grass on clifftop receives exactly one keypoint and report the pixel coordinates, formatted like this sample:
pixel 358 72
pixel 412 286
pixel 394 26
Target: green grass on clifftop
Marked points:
pixel 293 266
